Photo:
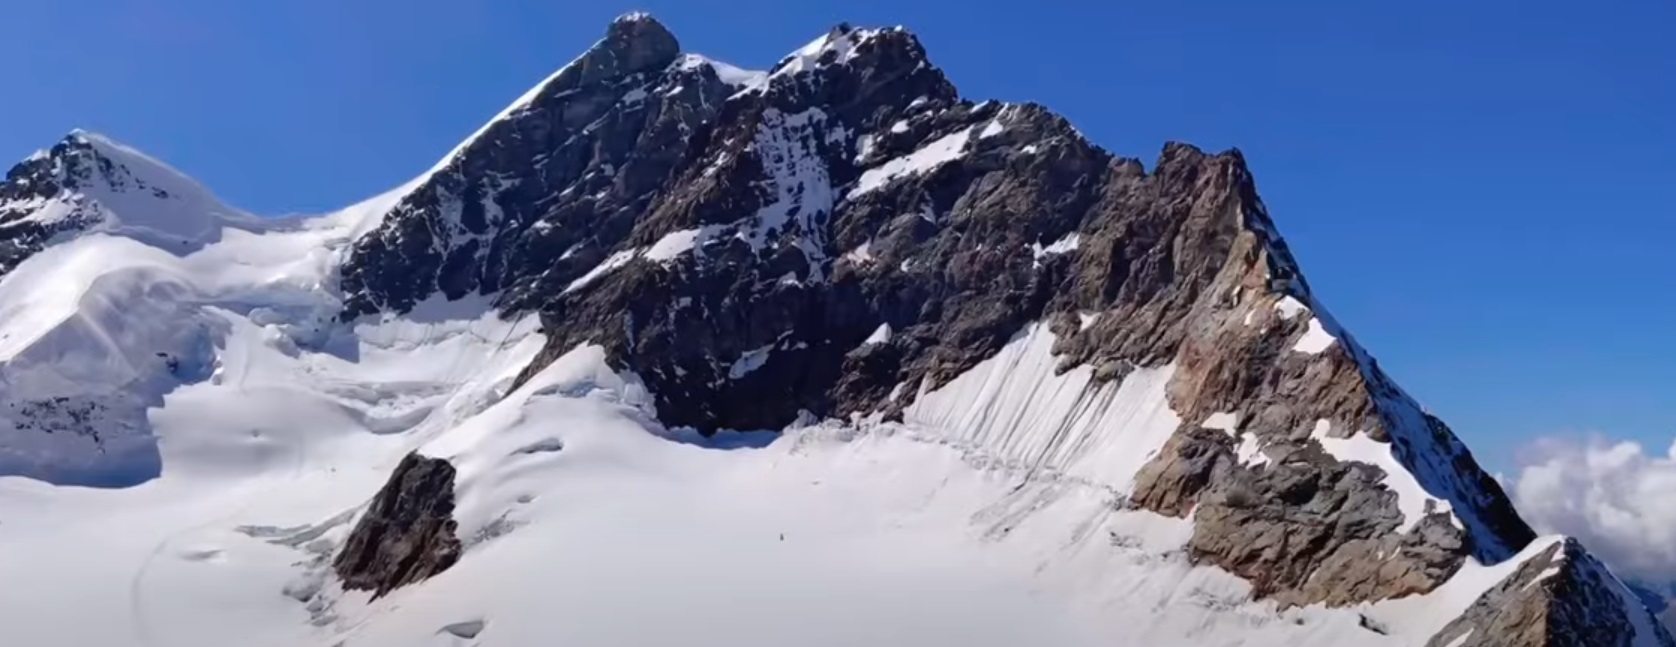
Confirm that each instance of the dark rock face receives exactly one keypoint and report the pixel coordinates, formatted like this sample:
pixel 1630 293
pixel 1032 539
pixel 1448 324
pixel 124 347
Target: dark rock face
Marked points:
pixel 734 240
pixel 30 184
pixel 1560 597
pixel 550 189
pixel 407 533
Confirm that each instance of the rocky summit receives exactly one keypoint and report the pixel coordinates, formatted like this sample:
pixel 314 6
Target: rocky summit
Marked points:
pixel 805 240
pixel 844 242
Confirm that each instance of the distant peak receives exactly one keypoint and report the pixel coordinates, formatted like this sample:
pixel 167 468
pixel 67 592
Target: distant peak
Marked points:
pixel 640 29
pixel 90 138
pixel 113 151
pixel 634 16
pixel 892 47
pixel 634 42
pixel 95 164
pixel 729 74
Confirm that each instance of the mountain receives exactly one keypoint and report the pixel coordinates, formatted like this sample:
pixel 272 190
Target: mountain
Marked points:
pixel 674 352
pixel 90 183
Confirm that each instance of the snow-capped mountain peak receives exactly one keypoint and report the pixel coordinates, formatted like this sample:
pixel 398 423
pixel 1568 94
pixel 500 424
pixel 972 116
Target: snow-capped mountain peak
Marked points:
pixel 954 352
pixel 89 182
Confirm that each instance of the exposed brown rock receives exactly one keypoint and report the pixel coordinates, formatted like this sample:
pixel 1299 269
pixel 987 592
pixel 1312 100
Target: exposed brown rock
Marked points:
pixel 407 533
pixel 1562 597
pixel 1187 464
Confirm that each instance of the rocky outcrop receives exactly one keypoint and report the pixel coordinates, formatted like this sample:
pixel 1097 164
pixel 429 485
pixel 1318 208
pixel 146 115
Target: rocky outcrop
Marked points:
pixel 1304 528
pixel 407 533
pixel 1562 596
pixel 31 185
pixel 844 231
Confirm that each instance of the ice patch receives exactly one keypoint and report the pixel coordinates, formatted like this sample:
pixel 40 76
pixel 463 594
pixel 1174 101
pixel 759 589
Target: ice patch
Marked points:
pixel 1064 245
pixel 611 262
pixel 749 361
pixel 881 335
pixel 861 254
pixel 809 55
pixel 1290 307
pixel 676 243
pixel 863 148
pixel 943 150
pixel 1315 339
pixel 1222 421
pixel 1250 451
pixel 733 76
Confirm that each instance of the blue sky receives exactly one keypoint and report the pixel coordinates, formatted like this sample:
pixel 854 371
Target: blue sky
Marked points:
pixel 1479 190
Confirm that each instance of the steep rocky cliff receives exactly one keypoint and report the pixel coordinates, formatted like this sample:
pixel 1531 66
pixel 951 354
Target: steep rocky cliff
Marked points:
pixel 812 238
pixel 844 237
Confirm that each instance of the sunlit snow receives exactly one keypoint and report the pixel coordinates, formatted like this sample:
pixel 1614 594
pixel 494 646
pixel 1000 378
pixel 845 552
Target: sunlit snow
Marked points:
pixel 1315 339
pixel 940 151
pixel 242 429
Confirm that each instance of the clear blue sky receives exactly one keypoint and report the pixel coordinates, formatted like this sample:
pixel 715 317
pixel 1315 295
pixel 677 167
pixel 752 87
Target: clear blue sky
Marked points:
pixel 1480 190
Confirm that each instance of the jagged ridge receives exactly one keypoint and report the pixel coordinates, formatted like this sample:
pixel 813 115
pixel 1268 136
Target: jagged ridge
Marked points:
pixel 843 235
pixel 851 191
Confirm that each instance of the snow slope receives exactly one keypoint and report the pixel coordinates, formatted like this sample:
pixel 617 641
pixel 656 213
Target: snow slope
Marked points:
pixel 981 521
pixel 110 187
pixel 586 522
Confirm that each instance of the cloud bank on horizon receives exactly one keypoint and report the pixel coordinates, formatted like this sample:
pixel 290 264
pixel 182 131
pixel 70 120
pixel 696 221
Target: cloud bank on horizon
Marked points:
pixel 1613 495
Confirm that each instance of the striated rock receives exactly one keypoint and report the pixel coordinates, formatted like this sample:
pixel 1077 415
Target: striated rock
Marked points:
pixel 1562 596
pixel 407 533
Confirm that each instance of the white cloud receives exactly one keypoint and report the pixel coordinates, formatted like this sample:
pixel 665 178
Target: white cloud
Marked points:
pixel 1614 496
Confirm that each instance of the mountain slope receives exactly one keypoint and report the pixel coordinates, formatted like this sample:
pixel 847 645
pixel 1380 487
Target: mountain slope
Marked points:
pixel 1011 373
pixel 89 183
